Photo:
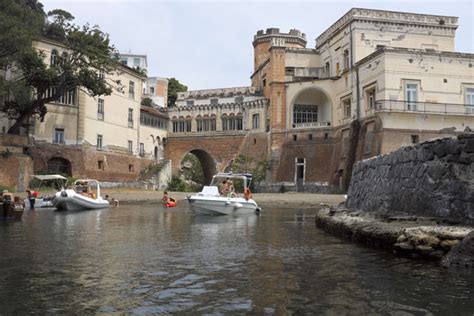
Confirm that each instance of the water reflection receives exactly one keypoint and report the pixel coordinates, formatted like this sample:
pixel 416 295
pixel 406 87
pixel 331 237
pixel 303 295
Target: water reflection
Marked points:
pixel 152 260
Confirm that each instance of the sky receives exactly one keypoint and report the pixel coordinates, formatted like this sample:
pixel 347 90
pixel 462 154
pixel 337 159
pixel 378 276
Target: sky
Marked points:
pixel 208 44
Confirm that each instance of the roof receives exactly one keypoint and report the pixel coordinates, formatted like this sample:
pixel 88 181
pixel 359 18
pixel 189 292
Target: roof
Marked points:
pixel 49 177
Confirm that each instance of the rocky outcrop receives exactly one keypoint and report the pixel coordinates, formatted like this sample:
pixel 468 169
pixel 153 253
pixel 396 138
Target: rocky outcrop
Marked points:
pixel 414 237
pixel 431 179
pixel 462 254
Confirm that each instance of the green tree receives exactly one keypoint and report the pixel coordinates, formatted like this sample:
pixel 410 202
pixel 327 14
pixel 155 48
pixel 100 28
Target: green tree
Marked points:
pixel 147 102
pixel 20 22
pixel 174 86
pixel 86 57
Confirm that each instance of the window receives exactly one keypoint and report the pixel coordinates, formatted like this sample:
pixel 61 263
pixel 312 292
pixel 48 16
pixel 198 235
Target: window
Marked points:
pixel 470 100
pixel 327 69
pixel 304 113
pixel 310 136
pixel 130 117
pixel 346 107
pixel 264 82
pixel 346 59
pixel 101 75
pixel 190 102
pixel 58 136
pixel 136 62
pixel 130 146
pixel 124 61
pixel 239 99
pixel 411 92
pixel 415 139
pixel 289 71
pixel 131 90
pixel 295 137
pixel 337 69
pixel 256 121
pixel 54 57
pixel 214 101
pixel 370 98
pixel 188 125
pixel 213 123
pixel 130 168
pixel 142 150
pixel 100 109
pixel 152 90
pixel 99 141
pixel 100 165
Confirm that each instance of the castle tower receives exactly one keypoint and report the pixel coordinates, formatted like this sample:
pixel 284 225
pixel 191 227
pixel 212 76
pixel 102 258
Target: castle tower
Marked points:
pixel 262 41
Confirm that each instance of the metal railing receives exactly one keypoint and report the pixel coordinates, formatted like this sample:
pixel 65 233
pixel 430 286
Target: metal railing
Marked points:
pixel 423 107
pixel 312 124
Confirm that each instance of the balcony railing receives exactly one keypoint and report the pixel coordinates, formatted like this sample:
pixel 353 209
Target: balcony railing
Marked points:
pixel 312 124
pixel 424 107
pixel 306 72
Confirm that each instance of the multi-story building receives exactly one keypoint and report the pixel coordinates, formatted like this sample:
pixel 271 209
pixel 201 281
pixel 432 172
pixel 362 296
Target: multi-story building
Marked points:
pixel 136 61
pixel 375 81
pixel 157 90
pixel 111 138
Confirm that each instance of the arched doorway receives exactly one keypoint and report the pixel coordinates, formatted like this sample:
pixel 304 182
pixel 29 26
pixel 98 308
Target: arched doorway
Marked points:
pixel 200 164
pixel 59 165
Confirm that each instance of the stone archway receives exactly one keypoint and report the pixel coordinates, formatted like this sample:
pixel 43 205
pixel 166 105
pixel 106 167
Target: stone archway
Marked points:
pixel 59 165
pixel 207 162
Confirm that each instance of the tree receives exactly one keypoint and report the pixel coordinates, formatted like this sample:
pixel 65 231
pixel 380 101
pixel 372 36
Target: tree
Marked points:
pixel 174 86
pixel 86 56
pixel 147 102
pixel 20 22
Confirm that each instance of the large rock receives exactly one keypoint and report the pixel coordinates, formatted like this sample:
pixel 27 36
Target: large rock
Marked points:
pixel 461 254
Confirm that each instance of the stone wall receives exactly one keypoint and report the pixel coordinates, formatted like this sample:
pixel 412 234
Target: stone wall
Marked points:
pixel 434 179
pixel 15 171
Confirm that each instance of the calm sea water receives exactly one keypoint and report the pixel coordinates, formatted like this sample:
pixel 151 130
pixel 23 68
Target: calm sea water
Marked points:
pixel 148 260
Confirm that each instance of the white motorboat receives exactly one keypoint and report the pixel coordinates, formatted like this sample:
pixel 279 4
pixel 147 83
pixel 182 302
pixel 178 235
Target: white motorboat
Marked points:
pixel 80 197
pixel 46 201
pixel 211 202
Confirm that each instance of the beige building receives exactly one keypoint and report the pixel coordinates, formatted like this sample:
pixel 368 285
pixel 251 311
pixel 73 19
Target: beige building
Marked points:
pixel 375 80
pixel 111 138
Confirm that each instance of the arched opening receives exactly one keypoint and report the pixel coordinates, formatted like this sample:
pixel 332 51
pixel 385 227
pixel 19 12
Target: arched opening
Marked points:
pixel 310 108
pixel 59 165
pixel 156 152
pixel 197 168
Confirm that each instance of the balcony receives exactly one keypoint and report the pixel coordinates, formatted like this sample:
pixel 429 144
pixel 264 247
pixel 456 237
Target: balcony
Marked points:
pixel 424 107
pixel 306 72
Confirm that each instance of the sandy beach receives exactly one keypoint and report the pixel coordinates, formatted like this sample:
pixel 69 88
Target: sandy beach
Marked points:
pixel 281 199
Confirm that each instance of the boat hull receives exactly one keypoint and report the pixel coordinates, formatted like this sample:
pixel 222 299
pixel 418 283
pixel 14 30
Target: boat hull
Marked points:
pixel 69 200
pixel 221 205
pixel 11 211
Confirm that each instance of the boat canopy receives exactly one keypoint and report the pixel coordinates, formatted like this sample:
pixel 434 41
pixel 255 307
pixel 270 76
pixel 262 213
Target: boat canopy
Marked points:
pixel 49 177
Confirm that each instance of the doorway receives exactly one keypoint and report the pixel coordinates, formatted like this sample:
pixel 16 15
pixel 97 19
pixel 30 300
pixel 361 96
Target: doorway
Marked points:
pixel 299 173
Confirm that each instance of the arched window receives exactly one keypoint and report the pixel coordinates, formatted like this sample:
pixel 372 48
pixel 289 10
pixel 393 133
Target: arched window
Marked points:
pixel 188 124
pixel 199 123
pixel 239 124
pixel 54 57
pixel 225 122
pixel 212 122
pixel 256 121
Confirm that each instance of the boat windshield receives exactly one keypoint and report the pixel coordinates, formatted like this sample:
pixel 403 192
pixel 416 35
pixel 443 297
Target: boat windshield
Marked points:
pixel 238 182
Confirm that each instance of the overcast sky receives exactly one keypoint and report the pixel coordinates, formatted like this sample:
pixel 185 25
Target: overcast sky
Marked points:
pixel 209 44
